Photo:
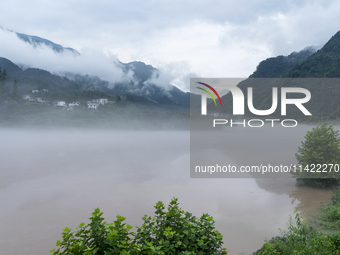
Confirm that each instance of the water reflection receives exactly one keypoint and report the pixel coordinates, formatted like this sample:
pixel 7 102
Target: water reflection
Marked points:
pixel 309 200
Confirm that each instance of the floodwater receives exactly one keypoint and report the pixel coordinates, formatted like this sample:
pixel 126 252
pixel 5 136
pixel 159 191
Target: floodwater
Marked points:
pixel 52 179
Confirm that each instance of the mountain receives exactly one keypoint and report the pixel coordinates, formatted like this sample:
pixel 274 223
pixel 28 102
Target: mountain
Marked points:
pixel 278 66
pixel 10 67
pixel 325 63
pixel 138 92
pixel 33 78
pixel 142 72
pixel 168 94
pixel 36 41
pixel 168 109
pixel 137 95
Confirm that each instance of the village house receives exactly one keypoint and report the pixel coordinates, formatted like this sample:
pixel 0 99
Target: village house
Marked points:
pixel 96 102
pixel 73 104
pixel 101 101
pixel 59 103
pixel 92 105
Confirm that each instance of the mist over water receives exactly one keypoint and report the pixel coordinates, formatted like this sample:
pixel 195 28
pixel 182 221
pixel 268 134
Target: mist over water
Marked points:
pixel 52 179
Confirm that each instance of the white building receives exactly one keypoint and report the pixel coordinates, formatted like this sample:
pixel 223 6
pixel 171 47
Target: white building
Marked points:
pixel 73 104
pixel 61 103
pixel 40 100
pixel 35 91
pixel 101 101
pixel 26 97
pixel 45 90
pixel 92 105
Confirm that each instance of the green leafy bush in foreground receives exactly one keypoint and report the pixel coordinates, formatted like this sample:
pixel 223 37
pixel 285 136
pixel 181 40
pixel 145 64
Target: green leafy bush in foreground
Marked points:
pixel 170 232
pixel 300 239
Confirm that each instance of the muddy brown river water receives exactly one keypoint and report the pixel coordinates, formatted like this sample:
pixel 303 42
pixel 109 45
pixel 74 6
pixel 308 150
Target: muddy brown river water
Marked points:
pixel 52 179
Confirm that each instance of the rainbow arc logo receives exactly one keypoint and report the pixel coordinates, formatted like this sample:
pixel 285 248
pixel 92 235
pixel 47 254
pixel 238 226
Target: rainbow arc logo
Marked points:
pixel 207 91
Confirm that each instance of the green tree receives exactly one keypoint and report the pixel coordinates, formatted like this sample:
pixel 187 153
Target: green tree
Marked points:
pixel 4 90
pixel 4 95
pixel 15 88
pixel 319 157
pixel 15 96
pixel 3 76
pixel 119 102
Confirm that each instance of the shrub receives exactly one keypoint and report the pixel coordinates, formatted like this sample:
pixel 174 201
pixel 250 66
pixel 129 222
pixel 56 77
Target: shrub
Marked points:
pixel 170 232
pixel 178 232
pixel 330 215
pixel 299 238
pixel 98 237
pixel 336 197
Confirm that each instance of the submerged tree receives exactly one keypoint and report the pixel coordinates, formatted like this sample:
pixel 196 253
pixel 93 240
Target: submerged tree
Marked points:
pixel 319 157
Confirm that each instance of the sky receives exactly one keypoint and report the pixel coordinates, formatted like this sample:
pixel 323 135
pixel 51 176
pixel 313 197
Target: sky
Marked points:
pixel 182 39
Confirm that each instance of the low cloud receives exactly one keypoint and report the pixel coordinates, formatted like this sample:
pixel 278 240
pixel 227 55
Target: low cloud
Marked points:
pixel 176 73
pixel 103 64
pixel 213 39
pixel 91 62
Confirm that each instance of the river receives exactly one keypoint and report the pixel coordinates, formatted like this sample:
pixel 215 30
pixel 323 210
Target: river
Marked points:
pixel 52 179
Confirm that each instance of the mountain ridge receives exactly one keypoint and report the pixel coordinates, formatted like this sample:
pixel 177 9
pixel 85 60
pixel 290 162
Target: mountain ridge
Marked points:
pixel 278 66
pixel 37 41
pixel 324 103
pixel 325 63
